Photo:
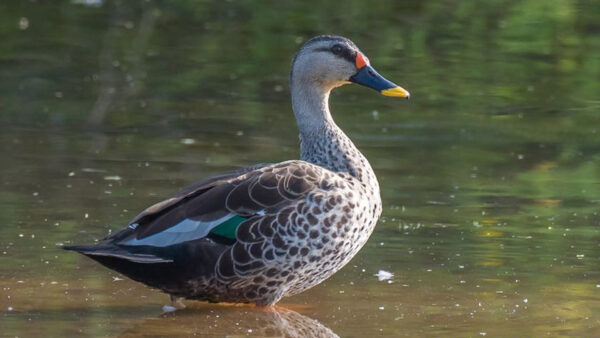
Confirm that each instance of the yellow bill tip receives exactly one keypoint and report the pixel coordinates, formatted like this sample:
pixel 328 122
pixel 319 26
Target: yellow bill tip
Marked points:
pixel 396 92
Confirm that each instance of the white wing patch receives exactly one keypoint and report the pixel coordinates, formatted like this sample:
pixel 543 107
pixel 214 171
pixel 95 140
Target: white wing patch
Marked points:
pixel 184 231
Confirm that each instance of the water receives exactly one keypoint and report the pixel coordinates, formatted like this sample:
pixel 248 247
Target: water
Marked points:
pixel 490 174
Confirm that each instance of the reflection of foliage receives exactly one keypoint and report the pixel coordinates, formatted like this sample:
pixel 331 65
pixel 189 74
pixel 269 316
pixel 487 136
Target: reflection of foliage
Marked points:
pixel 495 158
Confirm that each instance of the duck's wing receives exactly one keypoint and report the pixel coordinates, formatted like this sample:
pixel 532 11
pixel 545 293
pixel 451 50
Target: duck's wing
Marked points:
pixel 191 190
pixel 216 206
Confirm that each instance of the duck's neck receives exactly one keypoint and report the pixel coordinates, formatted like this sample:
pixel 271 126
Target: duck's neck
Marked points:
pixel 322 142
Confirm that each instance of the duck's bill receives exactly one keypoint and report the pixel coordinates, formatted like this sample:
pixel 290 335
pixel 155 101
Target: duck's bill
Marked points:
pixel 368 77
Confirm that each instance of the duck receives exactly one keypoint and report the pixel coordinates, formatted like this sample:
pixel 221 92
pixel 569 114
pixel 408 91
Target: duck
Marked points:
pixel 269 230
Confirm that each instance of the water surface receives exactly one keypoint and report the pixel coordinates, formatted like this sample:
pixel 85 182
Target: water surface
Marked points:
pixel 490 175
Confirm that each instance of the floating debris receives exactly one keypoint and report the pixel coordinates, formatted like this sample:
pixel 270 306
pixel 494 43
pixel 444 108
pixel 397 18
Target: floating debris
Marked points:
pixel 112 178
pixel 375 115
pixel 187 141
pixel 88 3
pixel 23 23
pixel 92 170
pixel 384 275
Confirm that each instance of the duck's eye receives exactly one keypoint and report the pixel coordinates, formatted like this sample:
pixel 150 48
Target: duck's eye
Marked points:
pixel 337 49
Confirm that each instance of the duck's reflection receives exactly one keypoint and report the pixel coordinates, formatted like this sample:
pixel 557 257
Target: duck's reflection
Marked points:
pixel 232 321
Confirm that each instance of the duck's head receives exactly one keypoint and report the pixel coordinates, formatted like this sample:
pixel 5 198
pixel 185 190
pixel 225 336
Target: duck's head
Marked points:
pixel 332 61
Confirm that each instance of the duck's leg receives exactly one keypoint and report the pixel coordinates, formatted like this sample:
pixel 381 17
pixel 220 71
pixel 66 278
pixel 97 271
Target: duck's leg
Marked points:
pixel 177 302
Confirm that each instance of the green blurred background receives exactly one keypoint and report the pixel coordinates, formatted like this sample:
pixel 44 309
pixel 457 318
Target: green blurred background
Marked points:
pixel 490 174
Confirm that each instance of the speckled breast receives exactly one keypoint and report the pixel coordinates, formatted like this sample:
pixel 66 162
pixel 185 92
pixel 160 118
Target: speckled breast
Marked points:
pixel 333 231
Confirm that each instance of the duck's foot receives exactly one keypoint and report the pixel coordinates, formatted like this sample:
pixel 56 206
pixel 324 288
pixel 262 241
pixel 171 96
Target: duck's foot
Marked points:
pixel 297 307
pixel 176 304
pixel 264 308
pixel 282 308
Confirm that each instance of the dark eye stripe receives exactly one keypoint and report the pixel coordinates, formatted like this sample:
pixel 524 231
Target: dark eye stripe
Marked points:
pixel 346 53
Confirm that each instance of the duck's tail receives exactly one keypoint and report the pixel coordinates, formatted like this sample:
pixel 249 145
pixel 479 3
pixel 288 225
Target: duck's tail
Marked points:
pixel 110 250
pixel 167 268
pixel 147 268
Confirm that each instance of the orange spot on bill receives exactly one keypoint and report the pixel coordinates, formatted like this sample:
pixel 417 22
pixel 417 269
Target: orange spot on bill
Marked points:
pixel 361 60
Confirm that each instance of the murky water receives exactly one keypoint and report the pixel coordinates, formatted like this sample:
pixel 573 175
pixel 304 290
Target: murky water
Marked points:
pixel 490 174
